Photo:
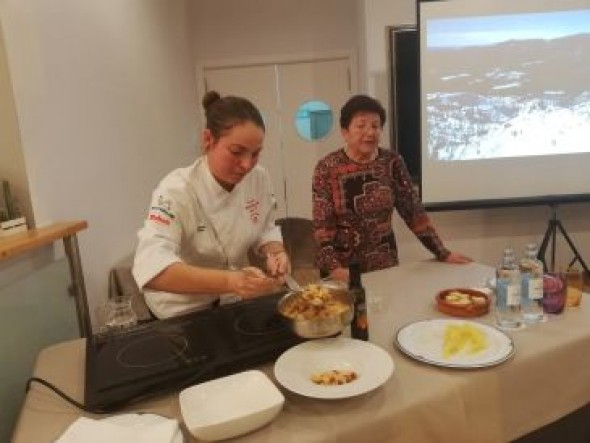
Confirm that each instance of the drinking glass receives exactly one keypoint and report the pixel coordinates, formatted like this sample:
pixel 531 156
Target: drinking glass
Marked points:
pixel 574 282
pixel 120 313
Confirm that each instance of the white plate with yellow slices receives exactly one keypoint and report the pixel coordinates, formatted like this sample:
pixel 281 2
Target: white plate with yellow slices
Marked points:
pixel 455 343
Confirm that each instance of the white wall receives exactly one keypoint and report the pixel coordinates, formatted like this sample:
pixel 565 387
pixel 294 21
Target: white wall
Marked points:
pixel 237 29
pixel 375 19
pixel 12 162
pixel 105 97
pixel 254 31
pixel 378 16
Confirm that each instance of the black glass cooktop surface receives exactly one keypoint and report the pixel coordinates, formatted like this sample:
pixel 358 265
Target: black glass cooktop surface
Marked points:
pixel 167 355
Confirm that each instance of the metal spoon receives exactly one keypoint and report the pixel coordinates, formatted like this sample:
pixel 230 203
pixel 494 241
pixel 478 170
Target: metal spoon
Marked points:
pixel 292 283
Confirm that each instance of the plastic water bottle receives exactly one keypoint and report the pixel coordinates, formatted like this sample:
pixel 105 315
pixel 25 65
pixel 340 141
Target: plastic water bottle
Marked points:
pixel 508 292
pixel 531 269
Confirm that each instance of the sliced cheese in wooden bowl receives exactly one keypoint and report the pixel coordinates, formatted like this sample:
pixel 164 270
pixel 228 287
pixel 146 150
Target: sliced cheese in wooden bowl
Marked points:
pixel 463 302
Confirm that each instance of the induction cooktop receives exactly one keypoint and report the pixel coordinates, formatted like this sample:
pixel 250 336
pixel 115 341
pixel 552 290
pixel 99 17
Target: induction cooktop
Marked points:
pixel 167 355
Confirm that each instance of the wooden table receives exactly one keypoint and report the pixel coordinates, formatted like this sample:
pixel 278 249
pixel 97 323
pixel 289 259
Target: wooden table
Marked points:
pixel 547 378
pixel 16 244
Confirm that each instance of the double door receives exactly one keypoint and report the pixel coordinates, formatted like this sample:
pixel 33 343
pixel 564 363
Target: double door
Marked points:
pixel 279 90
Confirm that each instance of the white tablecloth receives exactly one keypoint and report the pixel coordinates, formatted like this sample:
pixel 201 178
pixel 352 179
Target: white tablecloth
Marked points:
pixel 547 378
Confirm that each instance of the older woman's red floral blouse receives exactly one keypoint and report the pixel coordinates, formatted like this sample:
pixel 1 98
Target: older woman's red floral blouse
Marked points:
pixel 353 205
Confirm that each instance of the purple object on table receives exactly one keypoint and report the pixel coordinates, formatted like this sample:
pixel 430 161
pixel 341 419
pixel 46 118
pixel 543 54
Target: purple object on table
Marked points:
pixel 553 293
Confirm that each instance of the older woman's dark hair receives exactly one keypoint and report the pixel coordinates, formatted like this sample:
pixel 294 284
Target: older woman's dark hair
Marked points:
pixel 223 113
pixel 360 103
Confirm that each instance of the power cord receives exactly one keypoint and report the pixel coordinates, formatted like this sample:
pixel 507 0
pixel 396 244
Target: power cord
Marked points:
pixel 62 395
pixel 180 384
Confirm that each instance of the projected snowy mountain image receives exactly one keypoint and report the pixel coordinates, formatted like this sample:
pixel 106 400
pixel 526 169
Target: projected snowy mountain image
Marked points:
pixel 512 98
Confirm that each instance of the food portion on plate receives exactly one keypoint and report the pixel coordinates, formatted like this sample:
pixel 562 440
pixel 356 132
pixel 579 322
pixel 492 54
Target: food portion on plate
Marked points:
pixel 463 337
pixel 334 377
pixel 463 302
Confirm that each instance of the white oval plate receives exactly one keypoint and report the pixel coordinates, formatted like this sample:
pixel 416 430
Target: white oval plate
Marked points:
pixel 294 367
pixel 423 341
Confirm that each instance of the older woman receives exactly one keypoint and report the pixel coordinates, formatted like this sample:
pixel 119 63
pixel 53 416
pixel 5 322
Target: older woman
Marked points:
pixel 355 191
pixel 204 219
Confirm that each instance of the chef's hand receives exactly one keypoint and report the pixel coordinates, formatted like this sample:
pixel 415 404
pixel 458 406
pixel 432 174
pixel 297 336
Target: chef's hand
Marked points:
pixel 278 263
pixel 250 282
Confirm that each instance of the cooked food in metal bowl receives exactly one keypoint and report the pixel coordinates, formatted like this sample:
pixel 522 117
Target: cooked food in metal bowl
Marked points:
pixel 318 310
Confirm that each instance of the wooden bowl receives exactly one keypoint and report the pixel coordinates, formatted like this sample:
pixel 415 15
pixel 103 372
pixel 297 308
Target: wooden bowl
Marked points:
pixel 463 302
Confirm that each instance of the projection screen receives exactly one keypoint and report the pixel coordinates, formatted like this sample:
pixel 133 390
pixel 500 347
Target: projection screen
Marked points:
pixel 505 102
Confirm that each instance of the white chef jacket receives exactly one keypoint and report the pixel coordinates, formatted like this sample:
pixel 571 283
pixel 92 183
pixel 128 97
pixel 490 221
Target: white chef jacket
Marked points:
pixel 193 219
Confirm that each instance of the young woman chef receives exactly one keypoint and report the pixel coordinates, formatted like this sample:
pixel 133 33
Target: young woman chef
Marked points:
pixel 203 219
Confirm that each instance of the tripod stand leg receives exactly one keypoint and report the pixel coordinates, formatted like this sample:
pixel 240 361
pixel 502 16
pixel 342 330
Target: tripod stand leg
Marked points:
pixel 553 243
pixel 549 235
pixel 577 255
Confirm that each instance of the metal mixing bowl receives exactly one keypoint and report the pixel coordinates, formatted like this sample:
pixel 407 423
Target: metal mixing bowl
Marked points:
pixel 320 326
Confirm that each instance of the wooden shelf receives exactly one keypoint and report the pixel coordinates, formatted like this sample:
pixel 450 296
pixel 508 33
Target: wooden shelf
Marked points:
pixel 20 243
pixel 15 244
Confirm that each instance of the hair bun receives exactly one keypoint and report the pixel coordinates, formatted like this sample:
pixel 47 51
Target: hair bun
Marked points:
pixel 210 98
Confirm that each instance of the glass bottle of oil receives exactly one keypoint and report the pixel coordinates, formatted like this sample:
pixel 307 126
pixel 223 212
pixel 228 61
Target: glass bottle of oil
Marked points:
pixel 359 327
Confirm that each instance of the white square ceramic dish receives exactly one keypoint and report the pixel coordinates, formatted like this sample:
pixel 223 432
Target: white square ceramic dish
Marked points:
pixel 230 406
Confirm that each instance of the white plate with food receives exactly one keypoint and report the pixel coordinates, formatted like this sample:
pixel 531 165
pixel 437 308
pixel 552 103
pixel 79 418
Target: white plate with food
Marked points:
pixel 333 368
pixel 455 343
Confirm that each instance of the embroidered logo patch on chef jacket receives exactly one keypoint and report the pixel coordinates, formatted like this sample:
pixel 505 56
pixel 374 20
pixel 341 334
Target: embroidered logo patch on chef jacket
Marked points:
pixel 162 213
pixel 253 209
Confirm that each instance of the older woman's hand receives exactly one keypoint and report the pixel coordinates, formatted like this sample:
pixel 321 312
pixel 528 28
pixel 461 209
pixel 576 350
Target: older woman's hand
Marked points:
pixel 457 258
